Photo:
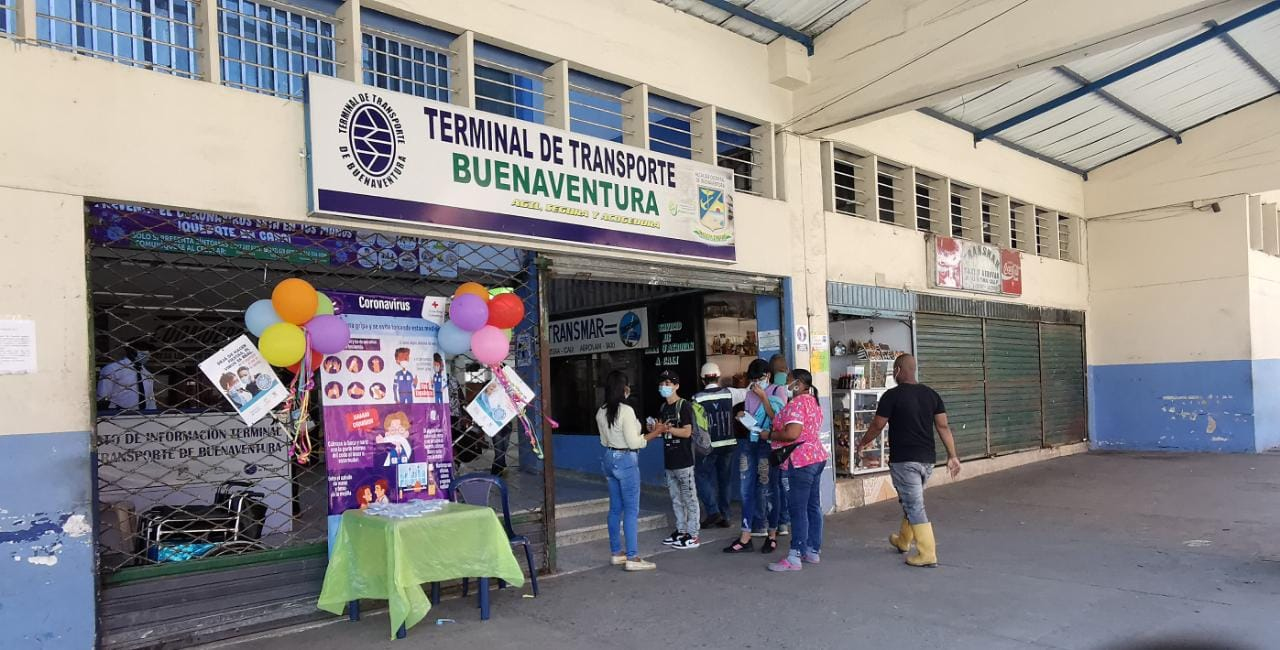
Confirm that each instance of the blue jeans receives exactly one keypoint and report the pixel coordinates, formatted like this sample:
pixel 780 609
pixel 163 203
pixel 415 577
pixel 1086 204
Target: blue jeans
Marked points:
pixel 753 480
pixel 779 503
pixel 806 507
pixel 622 471
pixel 715 473
pixel 909 479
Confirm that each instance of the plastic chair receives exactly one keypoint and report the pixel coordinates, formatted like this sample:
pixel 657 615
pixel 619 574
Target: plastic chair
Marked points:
pixel 477 489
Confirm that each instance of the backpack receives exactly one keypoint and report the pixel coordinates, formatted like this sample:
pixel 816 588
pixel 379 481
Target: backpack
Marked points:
pixel 701 429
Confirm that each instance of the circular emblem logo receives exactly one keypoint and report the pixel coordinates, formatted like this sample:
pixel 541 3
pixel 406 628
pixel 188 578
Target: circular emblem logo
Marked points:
pixel 630 329
pixel 374 133
pixel 372 141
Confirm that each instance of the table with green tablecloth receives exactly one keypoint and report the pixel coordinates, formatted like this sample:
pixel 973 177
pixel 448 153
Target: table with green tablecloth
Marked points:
pixel 385 558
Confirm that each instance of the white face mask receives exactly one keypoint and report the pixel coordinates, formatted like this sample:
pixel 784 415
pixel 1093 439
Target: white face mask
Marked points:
pixel 142 356
pixel 763 383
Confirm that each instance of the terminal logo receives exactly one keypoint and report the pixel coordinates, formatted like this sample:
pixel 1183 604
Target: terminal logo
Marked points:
pixel 375 135
pixel 630 329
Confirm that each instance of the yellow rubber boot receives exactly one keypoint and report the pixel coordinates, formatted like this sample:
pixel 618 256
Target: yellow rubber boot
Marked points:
pixel 901 540
pixel 926 551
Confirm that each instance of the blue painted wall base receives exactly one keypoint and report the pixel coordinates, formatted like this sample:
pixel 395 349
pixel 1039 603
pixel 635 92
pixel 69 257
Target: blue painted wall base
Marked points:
pixel 46 533
pixel 582 453
pixel 1193 407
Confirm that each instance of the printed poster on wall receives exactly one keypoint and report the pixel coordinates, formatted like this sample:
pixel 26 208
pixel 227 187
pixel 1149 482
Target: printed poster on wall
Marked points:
pixel 386 406
pixel 493 408
pixel 245 379
pixel 397 157
pixel 970 266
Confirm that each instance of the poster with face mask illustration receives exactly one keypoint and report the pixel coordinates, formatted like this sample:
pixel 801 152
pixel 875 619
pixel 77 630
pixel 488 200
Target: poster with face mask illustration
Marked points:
pixel 386 405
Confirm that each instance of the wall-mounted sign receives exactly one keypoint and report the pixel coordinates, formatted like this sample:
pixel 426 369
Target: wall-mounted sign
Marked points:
pixel 396 157
pixel 615 330
pixel 970 266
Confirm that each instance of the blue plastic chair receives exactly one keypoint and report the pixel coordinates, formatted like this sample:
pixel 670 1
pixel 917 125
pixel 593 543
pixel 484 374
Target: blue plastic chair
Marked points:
pixel 477 489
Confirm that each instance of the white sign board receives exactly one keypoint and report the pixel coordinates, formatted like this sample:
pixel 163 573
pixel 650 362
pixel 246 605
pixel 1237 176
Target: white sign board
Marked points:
pixel 245 379
pixel 615 330
pixel 180 459
pixel 396 157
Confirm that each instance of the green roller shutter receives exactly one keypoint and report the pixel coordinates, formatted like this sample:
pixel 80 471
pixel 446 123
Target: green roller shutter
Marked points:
pixel 1013 386
pixel 1062 364
pixel 949 350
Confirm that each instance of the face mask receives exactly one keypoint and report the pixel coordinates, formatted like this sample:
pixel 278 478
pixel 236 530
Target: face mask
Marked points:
pixel 142 356
pixel 779 378
pixel 763 383
pixel 666 391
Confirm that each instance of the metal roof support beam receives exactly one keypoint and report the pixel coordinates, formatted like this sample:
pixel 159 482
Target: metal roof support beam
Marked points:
pixel 1120 104
pixel 1001 141
pixel 1248 58
pixel 1131 69
pixel 767 23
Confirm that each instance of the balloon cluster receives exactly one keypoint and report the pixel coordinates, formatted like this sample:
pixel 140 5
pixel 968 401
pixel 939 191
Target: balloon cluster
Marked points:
pixel 296 319
pixel 479 323
pixel 295 329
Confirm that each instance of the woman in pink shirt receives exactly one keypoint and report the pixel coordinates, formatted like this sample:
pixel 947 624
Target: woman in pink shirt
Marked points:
pixel 795 435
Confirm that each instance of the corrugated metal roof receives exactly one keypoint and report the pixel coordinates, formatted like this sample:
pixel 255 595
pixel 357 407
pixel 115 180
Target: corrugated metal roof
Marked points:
pixel 1169 94
pixel 811 17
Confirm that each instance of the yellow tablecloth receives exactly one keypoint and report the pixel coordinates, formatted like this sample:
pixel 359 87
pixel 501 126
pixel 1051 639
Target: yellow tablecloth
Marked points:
pixel 384 558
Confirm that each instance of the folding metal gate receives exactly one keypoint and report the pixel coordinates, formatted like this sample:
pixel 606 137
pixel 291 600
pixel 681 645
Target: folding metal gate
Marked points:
pixel 168 289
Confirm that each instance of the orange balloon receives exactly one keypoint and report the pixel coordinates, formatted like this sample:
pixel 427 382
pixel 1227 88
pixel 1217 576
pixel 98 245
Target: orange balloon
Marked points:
pixel 473 288
pixel 295 300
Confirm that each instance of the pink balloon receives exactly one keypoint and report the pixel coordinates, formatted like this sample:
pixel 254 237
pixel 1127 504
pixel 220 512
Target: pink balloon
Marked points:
pixel 329 334
pixel 468 312
pixel 490 346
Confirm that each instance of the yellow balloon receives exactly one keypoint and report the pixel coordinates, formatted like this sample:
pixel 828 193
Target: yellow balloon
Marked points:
pixel 283 344
pixel 473 288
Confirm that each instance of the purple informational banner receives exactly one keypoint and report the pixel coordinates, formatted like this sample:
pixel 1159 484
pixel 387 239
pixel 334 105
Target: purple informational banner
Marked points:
pixel 161 230
pixel 386 407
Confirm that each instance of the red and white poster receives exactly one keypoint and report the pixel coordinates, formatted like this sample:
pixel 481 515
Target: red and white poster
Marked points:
pixel 970 266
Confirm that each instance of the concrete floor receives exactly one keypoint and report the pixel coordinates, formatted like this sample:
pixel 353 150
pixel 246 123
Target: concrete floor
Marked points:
pixel 1092 551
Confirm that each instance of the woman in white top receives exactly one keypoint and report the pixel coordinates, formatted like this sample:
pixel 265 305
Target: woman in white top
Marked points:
pixel 622 438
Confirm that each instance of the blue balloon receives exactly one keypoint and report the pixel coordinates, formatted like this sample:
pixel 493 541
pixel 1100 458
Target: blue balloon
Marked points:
pixel 259 316
pixel 454 339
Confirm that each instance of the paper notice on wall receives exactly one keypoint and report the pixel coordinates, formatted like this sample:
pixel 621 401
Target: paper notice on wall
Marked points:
pixel 17 347
pixel 493 408
pixel 245 378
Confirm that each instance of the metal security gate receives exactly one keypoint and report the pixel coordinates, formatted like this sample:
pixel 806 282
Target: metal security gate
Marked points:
pixel 168 289
pixel 950 352
pixel 1013 385
pixel 1062 369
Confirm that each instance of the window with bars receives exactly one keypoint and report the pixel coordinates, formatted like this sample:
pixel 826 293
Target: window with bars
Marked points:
pixel 1017 226
pixel 402 65
pixel 671 126
pixel 1065 250
pixel 269 48
pixel 989 211
pixel 736 149
pixel 961 210
pixel 1043 234
pixel 890 186
pixel 153 34
pixel 7 17
pixel 510 84
pixel 849 180
pixel 928 201
pixel 595 107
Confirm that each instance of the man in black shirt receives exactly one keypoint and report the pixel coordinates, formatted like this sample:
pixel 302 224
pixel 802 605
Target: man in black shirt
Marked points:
pixel 675 425
pixel 912 411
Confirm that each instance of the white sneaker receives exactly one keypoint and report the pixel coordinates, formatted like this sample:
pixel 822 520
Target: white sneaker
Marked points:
pixel 639 565
pixel 617 560
pixel 687 542
pixel 673 538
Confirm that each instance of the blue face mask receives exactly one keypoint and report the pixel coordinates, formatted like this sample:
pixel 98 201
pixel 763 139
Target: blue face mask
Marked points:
pixel 763 383
pixel 779 378
pixel 666 391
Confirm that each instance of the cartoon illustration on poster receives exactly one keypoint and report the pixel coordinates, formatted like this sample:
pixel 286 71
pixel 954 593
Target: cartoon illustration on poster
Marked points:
pixel 245 379
pixel 386 404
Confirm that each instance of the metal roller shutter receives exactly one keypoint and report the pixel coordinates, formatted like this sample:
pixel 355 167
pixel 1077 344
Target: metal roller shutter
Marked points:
pixel 1062 369
pixel 1013 385
pixel 581 267
pixel 950 353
